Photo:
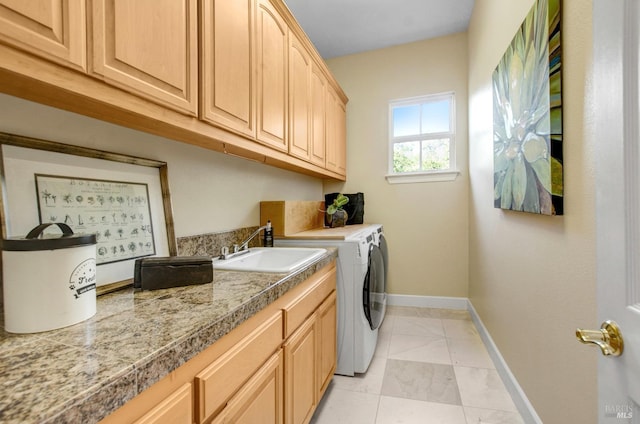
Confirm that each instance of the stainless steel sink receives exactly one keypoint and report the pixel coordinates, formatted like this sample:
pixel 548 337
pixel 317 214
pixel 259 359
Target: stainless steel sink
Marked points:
pixel 271 259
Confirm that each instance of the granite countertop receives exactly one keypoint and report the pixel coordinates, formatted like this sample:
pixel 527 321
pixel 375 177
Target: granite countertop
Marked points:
pixel 82 373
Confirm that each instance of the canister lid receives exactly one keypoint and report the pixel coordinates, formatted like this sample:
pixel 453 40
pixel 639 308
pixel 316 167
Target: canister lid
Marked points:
pixel 35 240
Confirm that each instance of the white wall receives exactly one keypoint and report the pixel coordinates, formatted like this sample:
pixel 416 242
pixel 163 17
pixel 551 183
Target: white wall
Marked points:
pixel 425 223
pixel 210 191
pixel 532 278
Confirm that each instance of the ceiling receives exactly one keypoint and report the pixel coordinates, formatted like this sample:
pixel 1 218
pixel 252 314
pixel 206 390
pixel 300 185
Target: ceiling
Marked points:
pixel 341 27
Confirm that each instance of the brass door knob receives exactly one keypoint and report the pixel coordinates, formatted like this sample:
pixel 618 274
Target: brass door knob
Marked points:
pixel 608 338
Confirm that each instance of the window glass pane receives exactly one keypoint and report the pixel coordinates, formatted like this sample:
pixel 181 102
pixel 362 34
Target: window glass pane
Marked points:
pixel 435 116
pixel 406 157
pixel 406 120
pixel 435 154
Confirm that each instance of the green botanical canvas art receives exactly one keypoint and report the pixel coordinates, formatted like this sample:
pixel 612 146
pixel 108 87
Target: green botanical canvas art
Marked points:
pixel 527 116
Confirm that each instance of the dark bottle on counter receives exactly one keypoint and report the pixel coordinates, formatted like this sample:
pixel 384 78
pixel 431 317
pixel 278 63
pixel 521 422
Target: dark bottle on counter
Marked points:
pixel 268 235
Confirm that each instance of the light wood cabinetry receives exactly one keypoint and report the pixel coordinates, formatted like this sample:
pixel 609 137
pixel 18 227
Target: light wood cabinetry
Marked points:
pixel 299 98
pixel 310 361
pixel 216 383
pixel 307 105
pixel 300 353
pixel 327 343
pixel 238 77
pixel 310 351
pixel 336 133
pixel 272 60
pixel 317 153
pixel 273 368
pixel 260 400
pixel 177 408
pixel 148 47
pixel 52 29
pixel 228 97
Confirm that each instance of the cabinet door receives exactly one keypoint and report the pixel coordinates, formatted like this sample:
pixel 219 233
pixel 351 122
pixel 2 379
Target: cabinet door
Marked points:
pixel 228 62
pixel 148 47
pixel 336 134
pixel 52 29
pixel 318 112
pixel 300 359
pixel 217 383
pixel 260 399
pixel 175 409
pixel 299 98
pixel 326 343
pixel 272 54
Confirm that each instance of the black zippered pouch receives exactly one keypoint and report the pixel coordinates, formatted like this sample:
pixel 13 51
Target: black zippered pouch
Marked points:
pixel 172 271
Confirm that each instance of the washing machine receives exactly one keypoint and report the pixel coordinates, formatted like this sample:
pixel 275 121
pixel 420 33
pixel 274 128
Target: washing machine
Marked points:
pixel 361 288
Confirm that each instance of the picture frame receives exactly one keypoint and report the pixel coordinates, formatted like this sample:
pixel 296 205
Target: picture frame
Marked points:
pixel 527 116
pixel 23 159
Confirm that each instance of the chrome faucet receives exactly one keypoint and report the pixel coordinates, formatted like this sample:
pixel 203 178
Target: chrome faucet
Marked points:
pixel 242 248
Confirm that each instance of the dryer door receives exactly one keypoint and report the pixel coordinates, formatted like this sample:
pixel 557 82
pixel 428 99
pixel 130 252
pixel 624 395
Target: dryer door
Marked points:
pixel 385 256
pixel 374 298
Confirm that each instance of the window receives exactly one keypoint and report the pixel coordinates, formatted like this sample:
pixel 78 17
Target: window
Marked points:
pixel 422 139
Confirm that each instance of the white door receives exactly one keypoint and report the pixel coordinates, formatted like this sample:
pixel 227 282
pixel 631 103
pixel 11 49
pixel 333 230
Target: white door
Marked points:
pixel 617 161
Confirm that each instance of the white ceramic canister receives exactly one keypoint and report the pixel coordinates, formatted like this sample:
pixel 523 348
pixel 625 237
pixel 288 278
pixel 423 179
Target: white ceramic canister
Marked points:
pixel 49 281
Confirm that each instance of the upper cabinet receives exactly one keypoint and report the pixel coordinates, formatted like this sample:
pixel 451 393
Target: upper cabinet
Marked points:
pixel 318 133
pixel 228 96
pixel 52 29
pixel 272 59
pixel 299 98
pixel 236 76
pixel 336 128
pixel 148 47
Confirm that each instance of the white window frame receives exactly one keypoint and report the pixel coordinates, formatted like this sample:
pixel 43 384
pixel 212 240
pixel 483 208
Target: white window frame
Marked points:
pixel 449 174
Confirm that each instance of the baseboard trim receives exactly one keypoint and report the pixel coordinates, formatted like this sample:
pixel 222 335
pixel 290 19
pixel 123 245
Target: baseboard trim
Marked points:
pixel 438 302
pixel 520 399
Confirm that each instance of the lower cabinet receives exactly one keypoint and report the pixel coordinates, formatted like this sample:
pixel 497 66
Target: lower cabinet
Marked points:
pixel 272 369
pixel 227 374
pixel 300 356
pixel 176 408
pixel 327 343
pixel 310 360
pixel 261 398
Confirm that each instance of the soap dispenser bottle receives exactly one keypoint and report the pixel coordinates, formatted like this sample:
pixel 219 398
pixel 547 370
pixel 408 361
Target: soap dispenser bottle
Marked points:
pixel 268 235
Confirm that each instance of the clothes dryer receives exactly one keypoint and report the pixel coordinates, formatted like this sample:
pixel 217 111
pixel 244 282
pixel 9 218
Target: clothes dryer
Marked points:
pixel 361 289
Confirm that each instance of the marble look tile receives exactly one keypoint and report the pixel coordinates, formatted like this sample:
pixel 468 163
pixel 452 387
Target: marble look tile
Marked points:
pixel 417 326
pixel 404 311
pixel 411 311
pixel 346 407
pixel 483 388
pixel 470 353
pixel 369 382
pixel 461 329
pixel 419 348
pixel 384 336
pixel 454 314
pixel 488 416
pixel 420 381
pixel 407 411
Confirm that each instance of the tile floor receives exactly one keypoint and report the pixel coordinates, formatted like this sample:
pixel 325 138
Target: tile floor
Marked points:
pixel 430 366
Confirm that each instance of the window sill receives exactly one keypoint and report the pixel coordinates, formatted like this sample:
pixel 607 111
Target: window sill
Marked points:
pixel 422 177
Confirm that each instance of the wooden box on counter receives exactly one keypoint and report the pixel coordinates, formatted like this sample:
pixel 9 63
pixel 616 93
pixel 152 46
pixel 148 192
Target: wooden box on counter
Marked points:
pixel 292 216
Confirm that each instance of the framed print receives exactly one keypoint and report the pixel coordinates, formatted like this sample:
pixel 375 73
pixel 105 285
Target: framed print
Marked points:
pixel 527 116
pixel 122 199
pixel 117 212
